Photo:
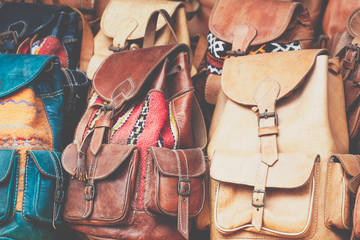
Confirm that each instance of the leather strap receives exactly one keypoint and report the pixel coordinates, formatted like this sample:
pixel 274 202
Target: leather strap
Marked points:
pixel 265 97
pixel 87 41
pixel 60 190
pixel 150 30
pixel 243 36
pixel 184 190
pixel 89 190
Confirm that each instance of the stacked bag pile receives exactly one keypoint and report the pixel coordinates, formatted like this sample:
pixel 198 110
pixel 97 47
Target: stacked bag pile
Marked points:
pixel 194 119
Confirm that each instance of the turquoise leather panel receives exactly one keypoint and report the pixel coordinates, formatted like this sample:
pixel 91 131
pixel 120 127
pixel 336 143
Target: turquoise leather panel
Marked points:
pixel 8 171
pixel 17 71
pixel 43 184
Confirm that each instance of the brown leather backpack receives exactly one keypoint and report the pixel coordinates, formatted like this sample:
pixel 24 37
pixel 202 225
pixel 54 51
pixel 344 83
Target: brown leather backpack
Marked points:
pixel 345 45
pixel 136 163
pixel 336 14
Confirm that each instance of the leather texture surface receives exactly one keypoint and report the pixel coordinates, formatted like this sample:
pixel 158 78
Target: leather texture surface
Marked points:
pixel 123 24
pixel 32 183
pixel 336 15
pixel 235 138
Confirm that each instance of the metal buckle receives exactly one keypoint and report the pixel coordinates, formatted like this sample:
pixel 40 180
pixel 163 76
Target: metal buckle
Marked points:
pixel 106 108
pixel 236 53
pixel 59 195
pixel 118 49
pixel 354 48
pixel 266 115
pixel 264 200
pixel 89 196
pixel 9 36
pixel 184 191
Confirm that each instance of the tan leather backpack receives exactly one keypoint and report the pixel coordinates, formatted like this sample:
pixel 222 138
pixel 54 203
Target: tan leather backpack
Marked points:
pixel 278 119
pixel 123 23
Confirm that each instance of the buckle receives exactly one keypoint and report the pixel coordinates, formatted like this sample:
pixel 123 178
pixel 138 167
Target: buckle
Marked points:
pixel 118 49
pixel 184 187
pixel 236 53
pixel 258 205
pixel 106 108
pixel 89 191
pixel 9 36
pixel 266 115
pixel 354 48
pixel 59 195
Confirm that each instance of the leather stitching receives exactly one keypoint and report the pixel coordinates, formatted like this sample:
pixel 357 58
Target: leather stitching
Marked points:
pixel 260 40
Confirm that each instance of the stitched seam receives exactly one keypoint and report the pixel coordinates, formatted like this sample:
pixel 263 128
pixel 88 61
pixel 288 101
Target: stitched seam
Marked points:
pixel 327 192
pixel 180 175
pixel 316 201
pixel 260 40
pixel 351 19
pixel 48 121
pixel 24 191
pixel 176 120
pixel 146 192
pixel 187 198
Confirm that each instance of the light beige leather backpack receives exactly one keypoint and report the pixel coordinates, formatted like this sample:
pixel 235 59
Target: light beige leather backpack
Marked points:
pixel 278 120
pixel 123 23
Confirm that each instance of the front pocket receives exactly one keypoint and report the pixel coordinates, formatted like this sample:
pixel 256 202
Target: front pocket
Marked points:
pixel 342 168
pixel 8 183
pixel 165 180
pixel 114 183
pixel 44 187
pixel 290 194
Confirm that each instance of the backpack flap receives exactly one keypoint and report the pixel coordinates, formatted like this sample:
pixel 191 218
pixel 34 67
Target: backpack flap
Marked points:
pixel 24 70
pixel 44 187
pixel 114 175
pixel 125 20
pixel 8 178
pixel 291 70
pixel 130 77
pixel 290 191
pixel 268 19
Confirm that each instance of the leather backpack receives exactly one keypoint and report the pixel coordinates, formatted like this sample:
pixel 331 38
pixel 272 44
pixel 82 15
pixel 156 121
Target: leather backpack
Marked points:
pixel 278 120
pixel 136 162
pixel 345 46
pixel 123 23
pixel 336 14
pixel 237 28
pixel 32 183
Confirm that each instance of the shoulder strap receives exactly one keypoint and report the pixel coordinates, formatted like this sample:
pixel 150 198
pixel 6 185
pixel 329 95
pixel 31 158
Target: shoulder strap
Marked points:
pixel 87 43
pixel 150 30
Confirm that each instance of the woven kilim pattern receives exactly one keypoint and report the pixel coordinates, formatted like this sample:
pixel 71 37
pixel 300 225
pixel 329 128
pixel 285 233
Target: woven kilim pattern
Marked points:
pixel 217 51
pixel 24 126
pixel 147 123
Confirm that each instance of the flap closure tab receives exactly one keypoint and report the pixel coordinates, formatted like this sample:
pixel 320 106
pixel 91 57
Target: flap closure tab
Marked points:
pixel 166 161
pixel 45 161
pixel 292 170
pixel 241 76
pixel 109 158
pixel 7 157
pixel 269 18
pixel 23 70
pixel 131 69
pixel 120 15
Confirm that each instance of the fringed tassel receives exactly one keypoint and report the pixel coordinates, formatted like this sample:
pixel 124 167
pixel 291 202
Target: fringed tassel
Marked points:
pixel 80 170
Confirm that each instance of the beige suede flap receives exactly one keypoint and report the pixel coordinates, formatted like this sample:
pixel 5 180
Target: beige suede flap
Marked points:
pixel 242 75
pixel 292 170
pixel 120 15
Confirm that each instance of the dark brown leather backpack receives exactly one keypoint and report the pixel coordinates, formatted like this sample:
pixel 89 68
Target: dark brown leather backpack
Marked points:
pixel 136 162
pixel 345 45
